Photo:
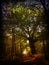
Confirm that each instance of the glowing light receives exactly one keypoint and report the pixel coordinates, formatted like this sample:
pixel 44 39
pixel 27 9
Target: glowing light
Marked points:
pixel 10 37
pixel 7 34
pixel 29 28
pixel 27 41
pixel 25 52
pixel 39 30
pixel 27 35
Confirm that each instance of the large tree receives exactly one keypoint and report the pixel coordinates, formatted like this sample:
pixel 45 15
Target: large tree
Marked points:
pixel 27 21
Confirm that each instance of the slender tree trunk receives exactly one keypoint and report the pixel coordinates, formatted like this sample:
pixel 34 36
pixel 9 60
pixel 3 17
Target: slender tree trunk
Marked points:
pixel 13 44
pixel 44 47
pixel 1 34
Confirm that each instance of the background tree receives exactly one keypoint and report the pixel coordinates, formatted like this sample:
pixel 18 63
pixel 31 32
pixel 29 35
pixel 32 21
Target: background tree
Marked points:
pixel 45 4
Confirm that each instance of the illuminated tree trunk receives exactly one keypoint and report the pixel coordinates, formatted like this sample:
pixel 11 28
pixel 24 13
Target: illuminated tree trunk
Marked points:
pixel 21 49
pixel 13 44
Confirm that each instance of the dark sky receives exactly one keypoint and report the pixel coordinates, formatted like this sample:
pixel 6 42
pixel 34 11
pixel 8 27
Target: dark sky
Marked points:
pixel 12 0
pixel 46 6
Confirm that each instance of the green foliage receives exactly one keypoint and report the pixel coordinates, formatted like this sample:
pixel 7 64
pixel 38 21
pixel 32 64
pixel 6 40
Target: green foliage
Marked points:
pixel 25 23
pixel 25 18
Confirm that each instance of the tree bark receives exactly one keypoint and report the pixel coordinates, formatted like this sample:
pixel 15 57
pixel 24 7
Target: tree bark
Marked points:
pixel 46 18
pixel 1 34
pixel 13 44
pixel 32 45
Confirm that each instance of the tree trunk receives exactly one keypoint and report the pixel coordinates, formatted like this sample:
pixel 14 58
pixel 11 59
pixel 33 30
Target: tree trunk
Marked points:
pixel 47 33
pixel 13 44
pixel 1 34
pixel 32 45
pixel 47 50
pixel 44 47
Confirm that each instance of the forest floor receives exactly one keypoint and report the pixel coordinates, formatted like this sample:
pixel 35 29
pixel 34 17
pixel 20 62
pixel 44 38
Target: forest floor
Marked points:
pixel 35 59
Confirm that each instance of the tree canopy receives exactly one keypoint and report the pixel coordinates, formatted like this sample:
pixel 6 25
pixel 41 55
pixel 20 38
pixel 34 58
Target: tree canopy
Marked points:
pixel 25 19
